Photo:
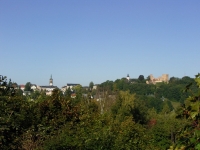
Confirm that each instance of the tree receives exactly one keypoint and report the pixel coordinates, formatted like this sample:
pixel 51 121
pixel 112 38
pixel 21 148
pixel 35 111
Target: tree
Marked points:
pixel 91 85
pixel 148 78
pixel 141 78
pixel 34 95
pixel 28 87
pixel 15 116
pixel 124 105
pixel 189 136
pixel 68 93
pixel 173 80
pixel 6 88
pixel 78 90
pixel 187 80
pixel 131 136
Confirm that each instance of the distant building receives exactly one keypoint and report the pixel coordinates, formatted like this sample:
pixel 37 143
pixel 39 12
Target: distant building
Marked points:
pixel 22 87
pixel 49 88
pixel 73 95
pixel 163 78
pixel 15 86
pixel 63 89
pixel 131 80
pixel 69 86
pixel 51 81
pixel 95 86
pixel 128 77
pixel 33 87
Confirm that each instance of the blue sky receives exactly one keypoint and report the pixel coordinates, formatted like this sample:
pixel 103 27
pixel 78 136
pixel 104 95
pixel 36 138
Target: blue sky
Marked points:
pixel 97 40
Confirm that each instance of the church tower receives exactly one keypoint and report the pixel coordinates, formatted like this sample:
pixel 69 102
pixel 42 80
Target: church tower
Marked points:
pixel 128 78
pixel 51 81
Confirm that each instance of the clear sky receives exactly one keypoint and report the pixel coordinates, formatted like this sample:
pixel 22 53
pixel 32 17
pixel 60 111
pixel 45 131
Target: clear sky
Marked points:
pixel 78 41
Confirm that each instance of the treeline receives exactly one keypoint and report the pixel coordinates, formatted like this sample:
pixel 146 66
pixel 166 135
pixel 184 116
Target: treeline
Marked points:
pixel 172 90
pixel 120 120
pixel 152 95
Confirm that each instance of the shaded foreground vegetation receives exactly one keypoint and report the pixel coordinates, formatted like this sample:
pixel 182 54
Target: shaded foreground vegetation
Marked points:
pixel 123 119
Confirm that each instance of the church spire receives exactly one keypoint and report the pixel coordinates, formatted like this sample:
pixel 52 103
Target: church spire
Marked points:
pixel 51 81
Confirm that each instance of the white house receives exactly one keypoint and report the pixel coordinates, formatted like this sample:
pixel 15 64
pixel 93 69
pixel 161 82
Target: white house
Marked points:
pixel 33 87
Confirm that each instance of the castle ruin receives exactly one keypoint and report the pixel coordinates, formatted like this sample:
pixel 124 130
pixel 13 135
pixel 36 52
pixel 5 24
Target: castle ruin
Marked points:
pixel 163 78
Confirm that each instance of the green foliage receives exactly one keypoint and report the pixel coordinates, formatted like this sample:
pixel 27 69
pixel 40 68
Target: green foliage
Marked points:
pixel 172 91
pixel 6 89
pixel 124 105
pixel 91 85
pixel 139 80
pixel 102 131
pixel 35 95
pixel 68 93
pixel 14 116
pixel 131 136
pixel 189 136
pixel 165 128
pixel 78 90
pixel 153 102
pixel 28 87
pixel 174 80
pixel 126 122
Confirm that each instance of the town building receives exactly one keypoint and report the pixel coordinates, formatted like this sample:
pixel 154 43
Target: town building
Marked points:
pixel 95 86
pixel 33 87
pixel 69 86
pixel 48 88
pixel 22 87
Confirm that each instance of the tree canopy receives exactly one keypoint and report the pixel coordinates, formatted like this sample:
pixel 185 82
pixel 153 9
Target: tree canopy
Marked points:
pixel 125 115
pixel 28 87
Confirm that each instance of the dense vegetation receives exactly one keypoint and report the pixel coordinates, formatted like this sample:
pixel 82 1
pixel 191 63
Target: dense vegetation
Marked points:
pixel 123 115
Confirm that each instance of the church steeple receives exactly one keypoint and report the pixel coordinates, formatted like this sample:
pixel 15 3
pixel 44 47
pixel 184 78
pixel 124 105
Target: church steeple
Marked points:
pixel 51 81
pixel 128 77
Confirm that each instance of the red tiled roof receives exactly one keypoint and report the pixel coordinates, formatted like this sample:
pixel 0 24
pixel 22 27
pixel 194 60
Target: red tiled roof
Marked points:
pixel 22 86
